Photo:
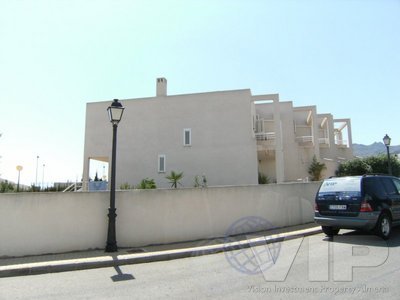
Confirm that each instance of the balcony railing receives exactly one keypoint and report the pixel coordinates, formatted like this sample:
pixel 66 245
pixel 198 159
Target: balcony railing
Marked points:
pixel 341 143
pixel 323 141
pixel 265 136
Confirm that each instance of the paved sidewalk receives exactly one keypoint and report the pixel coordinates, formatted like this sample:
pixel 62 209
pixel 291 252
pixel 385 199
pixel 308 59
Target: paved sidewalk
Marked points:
pixel 52 263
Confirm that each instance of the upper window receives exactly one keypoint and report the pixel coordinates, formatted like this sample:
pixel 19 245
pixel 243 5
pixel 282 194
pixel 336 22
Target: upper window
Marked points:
pixel 187 137
pixel 161 163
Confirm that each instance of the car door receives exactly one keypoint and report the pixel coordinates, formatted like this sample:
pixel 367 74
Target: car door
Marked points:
pixel 393 195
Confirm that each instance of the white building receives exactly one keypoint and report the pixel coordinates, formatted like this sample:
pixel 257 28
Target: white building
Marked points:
pixel 229 137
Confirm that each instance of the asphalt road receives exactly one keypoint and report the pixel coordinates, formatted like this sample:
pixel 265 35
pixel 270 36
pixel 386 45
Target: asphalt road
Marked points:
pixel 352 266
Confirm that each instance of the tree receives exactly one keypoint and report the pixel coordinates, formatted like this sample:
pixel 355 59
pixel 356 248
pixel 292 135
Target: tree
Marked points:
pixel 174 178
pixel 315 169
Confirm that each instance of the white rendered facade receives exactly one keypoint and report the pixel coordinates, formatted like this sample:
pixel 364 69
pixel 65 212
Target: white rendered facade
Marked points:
pixel 226 136
pixel 288 137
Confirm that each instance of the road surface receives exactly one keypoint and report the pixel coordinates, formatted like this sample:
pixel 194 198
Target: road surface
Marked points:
pixel 352 266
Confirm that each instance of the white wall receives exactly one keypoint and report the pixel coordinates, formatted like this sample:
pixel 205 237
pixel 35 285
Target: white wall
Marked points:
pixel 223 147
pixel 38 223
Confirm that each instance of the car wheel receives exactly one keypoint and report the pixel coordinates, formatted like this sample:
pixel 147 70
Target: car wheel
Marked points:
pixel 383 226
pixel 330 231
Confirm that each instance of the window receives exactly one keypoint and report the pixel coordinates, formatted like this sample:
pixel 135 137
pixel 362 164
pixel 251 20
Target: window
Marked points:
pixel 389 186
pixel 161 163
pixel 374 188
pixel 397 184
pixel 187 137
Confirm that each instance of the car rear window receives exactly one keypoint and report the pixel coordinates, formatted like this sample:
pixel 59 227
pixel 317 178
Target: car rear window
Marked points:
pixel 341 184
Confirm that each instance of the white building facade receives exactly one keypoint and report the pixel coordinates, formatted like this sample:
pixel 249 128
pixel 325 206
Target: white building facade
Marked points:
pixel 228 137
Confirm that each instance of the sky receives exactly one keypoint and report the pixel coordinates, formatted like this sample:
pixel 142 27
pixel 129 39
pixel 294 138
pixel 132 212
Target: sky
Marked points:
pixel 57 55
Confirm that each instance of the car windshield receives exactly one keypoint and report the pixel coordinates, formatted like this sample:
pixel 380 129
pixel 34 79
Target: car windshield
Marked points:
pixel 342 185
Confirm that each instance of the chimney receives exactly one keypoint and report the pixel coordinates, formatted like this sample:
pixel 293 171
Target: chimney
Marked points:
pixel 161 87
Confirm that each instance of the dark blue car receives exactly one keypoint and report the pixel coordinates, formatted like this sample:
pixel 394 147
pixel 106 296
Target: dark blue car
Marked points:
pixel 369 202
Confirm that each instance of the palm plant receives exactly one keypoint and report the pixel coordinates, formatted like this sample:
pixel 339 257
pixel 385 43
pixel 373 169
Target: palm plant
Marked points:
pixel 174 178
pixel 147 183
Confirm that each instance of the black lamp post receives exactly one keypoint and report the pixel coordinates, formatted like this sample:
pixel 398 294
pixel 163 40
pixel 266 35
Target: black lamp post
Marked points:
pixel 115 111
pixel 386 141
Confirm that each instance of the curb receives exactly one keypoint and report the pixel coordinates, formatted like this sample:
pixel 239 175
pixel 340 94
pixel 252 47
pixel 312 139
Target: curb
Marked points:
pixel 138 258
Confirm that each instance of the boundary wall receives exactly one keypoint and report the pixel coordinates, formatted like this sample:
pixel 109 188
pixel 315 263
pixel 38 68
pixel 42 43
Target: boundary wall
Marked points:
pixel 41 223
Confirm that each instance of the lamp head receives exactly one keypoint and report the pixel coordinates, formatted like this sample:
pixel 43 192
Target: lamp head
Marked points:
pixel 115 111
pixel 386 140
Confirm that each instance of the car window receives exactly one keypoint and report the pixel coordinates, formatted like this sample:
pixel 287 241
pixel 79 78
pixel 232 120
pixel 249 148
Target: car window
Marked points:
pixel 389 186
pixel 397 184
pixel 374 188
pixel 341 184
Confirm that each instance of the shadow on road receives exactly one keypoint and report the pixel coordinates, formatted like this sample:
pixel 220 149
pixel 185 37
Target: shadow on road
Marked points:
pixel 120 276
pixel 364 238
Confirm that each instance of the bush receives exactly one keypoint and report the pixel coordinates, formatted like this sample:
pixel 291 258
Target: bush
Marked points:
pixel 125 186
pixel 174 178
pixel 315 169
pixel 372 164
pixel 263 179
pixel 6 187
pixel 200 181
pixel 354 167
pixel 146 184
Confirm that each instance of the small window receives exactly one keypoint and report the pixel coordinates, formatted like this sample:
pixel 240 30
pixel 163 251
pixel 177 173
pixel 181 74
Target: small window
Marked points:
pixel 161 163
pixel 187 137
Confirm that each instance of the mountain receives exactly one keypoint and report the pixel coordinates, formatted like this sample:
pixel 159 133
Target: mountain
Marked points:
pixel 373 149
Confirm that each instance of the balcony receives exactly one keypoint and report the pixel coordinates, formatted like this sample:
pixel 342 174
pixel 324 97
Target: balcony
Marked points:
pixel 341 143
pixel 305 140
pixel 304 135
pixel 323 142
pixel 265 141
pixel 265 134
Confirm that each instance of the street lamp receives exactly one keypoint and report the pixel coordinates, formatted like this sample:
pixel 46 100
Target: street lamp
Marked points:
pixel 37 164
pixel 115 111
pixel 43 177
pixel 19 169
pixel 386 141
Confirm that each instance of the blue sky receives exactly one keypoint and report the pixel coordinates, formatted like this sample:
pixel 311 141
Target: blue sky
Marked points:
pixel 57 55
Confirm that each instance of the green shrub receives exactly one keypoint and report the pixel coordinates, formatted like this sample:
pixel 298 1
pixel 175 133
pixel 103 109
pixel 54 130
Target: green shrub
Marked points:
pixel 263 179
pixel 174 178
pixel 125 186
pixel 367 165
pixel 315 169
pixel 200 181
pixel 146 184
pixel 6 187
